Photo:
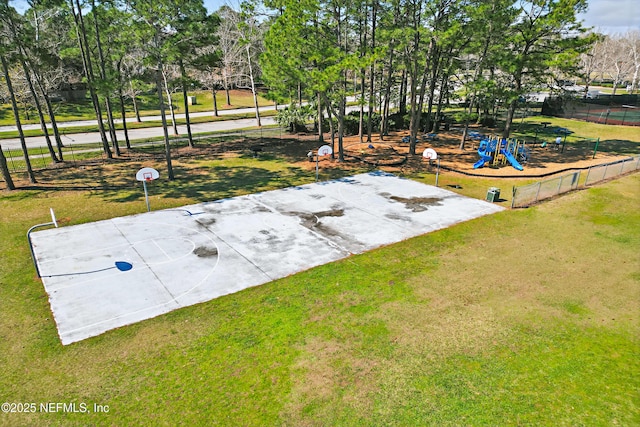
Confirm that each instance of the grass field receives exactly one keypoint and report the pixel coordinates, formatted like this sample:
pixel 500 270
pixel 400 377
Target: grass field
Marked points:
pixel 527 317
pixel 147 104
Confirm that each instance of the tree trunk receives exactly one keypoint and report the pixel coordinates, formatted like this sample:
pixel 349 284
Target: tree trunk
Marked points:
pixel 416 116
pixel 54 125
pixel 443 90
pixel 340 118
pixel 341 129
pixel 332 131
pixel 510 114
pixel 103 76
pixel 43 123
pixel 4 169
pixel 320 132
pixel 47 101
pixel 514 104
pixel 414 122
pixel 435 64
pixel 402 94
pixel 361 117
pixel 167 143
pixel 185 100
pixel 214 92
pixel 123 113
pixel 253 88
pixel 16 115
pixel 372 79
pixel 170 101
pixel 24 57
pixel 112 126
pixel 384 125
pixel 363 52
pixel 81 34
pixel 135 103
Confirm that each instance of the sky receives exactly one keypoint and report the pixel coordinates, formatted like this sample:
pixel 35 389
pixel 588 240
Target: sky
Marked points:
pixel 611 16
pixel 606 16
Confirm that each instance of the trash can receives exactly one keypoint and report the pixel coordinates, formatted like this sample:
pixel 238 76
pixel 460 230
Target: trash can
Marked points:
pixel 493 195
pixel 191 100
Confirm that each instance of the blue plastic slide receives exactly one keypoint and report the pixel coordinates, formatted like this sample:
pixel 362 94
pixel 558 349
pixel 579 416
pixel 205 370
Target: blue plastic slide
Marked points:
pixel 482 152
pixel 483 159
pixel 511 159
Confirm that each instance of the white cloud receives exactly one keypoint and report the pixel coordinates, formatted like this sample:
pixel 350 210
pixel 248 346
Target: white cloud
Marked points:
pixel 613 16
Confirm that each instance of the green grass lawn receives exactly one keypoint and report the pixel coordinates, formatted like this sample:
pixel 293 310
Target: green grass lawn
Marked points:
pixel 526 317
pixel 147 104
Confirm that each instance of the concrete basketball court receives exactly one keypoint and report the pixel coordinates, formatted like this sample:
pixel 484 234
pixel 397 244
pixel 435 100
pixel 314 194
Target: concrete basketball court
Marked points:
pixel 185 256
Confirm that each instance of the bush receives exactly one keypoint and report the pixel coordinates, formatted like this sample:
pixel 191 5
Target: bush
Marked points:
pixel 295 118
pixel 352 122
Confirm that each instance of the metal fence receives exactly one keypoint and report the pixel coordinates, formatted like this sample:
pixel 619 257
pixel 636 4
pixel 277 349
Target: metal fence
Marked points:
pixel 529 194
pixel 611 170
pixel 606 109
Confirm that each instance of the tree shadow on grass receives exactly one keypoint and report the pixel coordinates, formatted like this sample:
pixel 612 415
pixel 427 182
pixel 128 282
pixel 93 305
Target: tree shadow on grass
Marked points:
pixel 214 183
pixel 617 147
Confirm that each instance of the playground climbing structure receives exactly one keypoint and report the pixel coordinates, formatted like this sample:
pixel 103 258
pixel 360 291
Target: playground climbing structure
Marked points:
pixel 498 152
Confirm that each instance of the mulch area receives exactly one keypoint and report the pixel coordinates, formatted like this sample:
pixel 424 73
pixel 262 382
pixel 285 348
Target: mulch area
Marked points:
pixel 393 155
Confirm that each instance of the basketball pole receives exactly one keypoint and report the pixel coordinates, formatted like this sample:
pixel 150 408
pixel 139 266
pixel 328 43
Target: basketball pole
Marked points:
pixel 146 195
pixel 53 222
pixel 144 175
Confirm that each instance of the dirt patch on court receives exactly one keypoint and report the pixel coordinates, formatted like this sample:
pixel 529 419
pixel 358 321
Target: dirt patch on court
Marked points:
pixel 418 204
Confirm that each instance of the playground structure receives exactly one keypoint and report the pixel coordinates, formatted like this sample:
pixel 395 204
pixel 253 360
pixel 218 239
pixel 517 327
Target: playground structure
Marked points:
pixel 497 152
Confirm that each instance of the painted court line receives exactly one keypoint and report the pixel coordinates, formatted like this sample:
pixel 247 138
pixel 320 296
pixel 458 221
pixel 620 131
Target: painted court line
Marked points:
pixel 185 256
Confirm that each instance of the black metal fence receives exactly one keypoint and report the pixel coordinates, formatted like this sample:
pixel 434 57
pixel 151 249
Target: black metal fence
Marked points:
pixel 606 109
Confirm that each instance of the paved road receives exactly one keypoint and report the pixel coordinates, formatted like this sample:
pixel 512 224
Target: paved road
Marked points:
pixel 144 133
pixel 144 118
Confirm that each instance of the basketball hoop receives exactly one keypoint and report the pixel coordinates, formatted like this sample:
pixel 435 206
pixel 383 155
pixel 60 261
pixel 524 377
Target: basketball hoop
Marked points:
pixel 147 175
pixel 323 151
pixel 431 154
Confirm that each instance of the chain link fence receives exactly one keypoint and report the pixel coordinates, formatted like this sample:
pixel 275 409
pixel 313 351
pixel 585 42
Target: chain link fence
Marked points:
pixel 606 109
pixel 610 170
pixel 529 194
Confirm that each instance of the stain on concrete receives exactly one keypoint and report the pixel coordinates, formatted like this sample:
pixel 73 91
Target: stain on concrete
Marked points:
pixel 206 221
pixel 205 252
pixel 260 208
pixel 396 217
pixel 418 204
pixel 313 221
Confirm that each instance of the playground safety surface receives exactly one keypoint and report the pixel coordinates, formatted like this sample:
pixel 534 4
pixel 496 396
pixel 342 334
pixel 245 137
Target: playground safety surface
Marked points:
pixel 185 256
